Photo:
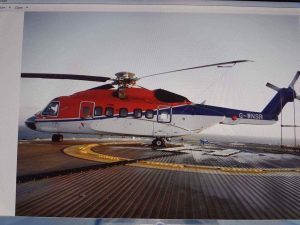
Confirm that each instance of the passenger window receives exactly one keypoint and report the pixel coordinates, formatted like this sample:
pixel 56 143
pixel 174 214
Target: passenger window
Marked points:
pixel 109 111
pixel 164 115
pixel 149 114
pixel 137 113
pixel 98 111
pixel 123 112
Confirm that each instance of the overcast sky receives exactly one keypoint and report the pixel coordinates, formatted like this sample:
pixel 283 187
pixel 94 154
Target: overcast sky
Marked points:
pixel 145 43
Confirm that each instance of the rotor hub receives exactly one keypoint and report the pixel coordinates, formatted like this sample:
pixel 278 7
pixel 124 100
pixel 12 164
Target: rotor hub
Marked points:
pixel 125 75
pixel 125 79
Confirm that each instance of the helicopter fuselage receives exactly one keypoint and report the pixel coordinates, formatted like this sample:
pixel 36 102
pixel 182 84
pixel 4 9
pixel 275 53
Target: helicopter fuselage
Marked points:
pixel 141 112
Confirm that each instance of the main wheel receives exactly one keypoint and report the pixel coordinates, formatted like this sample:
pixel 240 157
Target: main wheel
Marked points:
pixel 57 138
pixel 60 138
pixel 158 143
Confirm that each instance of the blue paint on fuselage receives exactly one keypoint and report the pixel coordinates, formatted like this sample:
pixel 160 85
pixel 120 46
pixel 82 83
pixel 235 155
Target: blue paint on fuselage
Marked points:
pixel 210 110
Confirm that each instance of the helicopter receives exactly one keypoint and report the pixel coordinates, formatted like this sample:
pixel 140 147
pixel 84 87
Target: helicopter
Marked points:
pixel 124 108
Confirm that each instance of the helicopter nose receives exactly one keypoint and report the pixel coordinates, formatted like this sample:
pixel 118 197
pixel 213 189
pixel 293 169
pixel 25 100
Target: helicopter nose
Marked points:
pixel 30 123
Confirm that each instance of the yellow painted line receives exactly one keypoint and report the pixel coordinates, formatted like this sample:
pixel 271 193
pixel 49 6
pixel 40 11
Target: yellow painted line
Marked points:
pixel 194 168
pixel 197 168
pixel 86 152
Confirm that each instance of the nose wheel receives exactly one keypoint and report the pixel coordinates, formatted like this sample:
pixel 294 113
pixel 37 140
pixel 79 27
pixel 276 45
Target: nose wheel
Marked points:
pixel 158 143
pixel 57 138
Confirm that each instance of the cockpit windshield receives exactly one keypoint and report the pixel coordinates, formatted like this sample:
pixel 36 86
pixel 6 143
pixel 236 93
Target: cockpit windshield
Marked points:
pixel 51 109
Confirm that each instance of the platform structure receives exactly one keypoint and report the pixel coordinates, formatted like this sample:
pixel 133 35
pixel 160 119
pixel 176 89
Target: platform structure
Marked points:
pixel 130 180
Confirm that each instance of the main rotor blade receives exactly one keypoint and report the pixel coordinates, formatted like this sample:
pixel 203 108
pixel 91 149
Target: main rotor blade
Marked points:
pixel 141 87
pixel 198 67
pixel 65 76
pixel 292 84
pixel 103 87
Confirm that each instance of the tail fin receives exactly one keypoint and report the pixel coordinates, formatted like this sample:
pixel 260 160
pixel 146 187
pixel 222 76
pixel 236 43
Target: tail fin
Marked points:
pixel 283 96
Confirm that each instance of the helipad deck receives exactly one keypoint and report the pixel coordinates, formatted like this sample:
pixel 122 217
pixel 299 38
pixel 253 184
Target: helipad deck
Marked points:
pixel 128 190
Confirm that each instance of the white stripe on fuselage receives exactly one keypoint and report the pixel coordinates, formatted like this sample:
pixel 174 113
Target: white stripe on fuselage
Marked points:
pixel 230 121
pixel 179 126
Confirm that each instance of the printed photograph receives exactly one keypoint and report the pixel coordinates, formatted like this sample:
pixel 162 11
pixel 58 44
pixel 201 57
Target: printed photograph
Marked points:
pixel 165 115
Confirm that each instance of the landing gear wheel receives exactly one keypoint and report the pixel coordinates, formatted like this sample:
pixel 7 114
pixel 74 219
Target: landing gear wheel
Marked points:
pixel 158 143
pixel 57 138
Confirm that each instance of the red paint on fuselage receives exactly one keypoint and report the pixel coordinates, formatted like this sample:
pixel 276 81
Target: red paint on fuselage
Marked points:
pixel 69 106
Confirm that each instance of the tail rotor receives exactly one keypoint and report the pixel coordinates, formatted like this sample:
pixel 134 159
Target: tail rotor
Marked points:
pixel 272 86
pixel 291 86
pixel 284 96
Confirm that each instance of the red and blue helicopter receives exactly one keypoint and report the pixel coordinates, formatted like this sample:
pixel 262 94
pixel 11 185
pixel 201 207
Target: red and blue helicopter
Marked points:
pixel 121 107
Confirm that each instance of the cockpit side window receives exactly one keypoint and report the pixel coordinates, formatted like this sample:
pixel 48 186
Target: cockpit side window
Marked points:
pixel 51 109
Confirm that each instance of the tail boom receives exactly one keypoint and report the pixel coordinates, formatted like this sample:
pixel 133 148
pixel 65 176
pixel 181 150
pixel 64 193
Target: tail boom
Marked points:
pixel 235 116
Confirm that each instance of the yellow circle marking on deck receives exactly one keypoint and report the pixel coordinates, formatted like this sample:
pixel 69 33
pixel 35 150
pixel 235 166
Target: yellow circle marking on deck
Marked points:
pixel 86 152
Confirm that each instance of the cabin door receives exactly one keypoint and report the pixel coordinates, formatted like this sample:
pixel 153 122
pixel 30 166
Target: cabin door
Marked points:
pixel 86 110
pixel 162 125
